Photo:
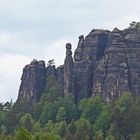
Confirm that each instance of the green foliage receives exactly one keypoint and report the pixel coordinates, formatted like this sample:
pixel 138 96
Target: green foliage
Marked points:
pixel 70 131
pixel 49 136
pixel 8 106
pixel 135 25
pixel 23 134
pixel 53 92
pixel 27 122
pixel 17 111
pixel 60 128
pixel 37 110
pixel 62 109
pixel 51 62
pixel 83 130
pixel 56 117
pixel 3 117
pixel 36 127
pixel 91 108
pixel 56 128
pixel 103 121
pixel 99 135
pixel 67 109
pixel 122 114
pixel 61 114
pixel 49 112
pixel 110 138
pixel 136 136
pixel 48 106
pixel 3 130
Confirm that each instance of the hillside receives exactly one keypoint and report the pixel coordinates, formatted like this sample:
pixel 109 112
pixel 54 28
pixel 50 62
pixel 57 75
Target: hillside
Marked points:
pixel 105 62
pixel 94 95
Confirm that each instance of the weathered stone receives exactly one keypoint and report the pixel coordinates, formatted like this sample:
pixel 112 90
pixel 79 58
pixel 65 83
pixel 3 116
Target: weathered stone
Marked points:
pixel 33 81
pixel 50 75
pixel 60 75
pixel 105 63
pixel 68 70
pixel 92 51
pixel 99 78
pixel 79 50
pixel 132 38
pixel 116 80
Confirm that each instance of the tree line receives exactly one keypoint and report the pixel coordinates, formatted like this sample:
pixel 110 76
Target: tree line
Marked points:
pixel 56 117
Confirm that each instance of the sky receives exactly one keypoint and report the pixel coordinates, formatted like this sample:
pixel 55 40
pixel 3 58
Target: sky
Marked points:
pixel 39 29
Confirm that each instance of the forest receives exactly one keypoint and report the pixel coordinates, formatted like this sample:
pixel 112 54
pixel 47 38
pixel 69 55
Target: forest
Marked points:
pixel 56 117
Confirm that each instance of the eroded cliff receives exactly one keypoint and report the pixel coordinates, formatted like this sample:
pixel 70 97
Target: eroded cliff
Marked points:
pixel 105 62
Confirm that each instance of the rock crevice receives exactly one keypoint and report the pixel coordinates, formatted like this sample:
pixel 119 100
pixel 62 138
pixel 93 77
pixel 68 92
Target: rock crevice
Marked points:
pixel 105 63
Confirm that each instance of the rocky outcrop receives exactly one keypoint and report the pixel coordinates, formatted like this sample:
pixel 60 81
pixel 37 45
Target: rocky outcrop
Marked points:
pixel 78 55
pixel 68 70
pixel 105 63
pixel 132 39
pixel 119 71
pixel 89 51
pixel 60 75
pixel 50 75
pixel 115 80
pixel 35 80
pixel 32 81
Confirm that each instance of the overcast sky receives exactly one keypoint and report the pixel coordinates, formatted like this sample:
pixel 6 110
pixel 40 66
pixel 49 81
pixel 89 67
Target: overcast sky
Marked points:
pixel 41 28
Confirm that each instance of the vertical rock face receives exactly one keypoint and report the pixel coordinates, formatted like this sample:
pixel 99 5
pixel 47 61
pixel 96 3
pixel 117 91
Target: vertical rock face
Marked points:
pixel 132 39
pixel 78 55
pixel 33 81
pixel 35 78
pixel 89 51
pixel 99 78
pixel 50 75
pixel 118 71
pixel 68 70
pixel 116 76
pixel 60 75
pixel 105 63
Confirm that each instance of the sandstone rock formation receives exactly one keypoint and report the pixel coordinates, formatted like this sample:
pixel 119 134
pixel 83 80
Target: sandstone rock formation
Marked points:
pixel 68 70
pixel 105 63
pixel 33 81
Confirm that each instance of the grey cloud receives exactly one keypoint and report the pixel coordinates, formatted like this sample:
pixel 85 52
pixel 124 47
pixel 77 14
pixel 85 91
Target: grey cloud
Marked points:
pixel 35 28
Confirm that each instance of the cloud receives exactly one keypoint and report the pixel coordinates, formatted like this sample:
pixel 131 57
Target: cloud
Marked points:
pixel 58 50
pixel 12 65
pixel 40 29
pixel 10 73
